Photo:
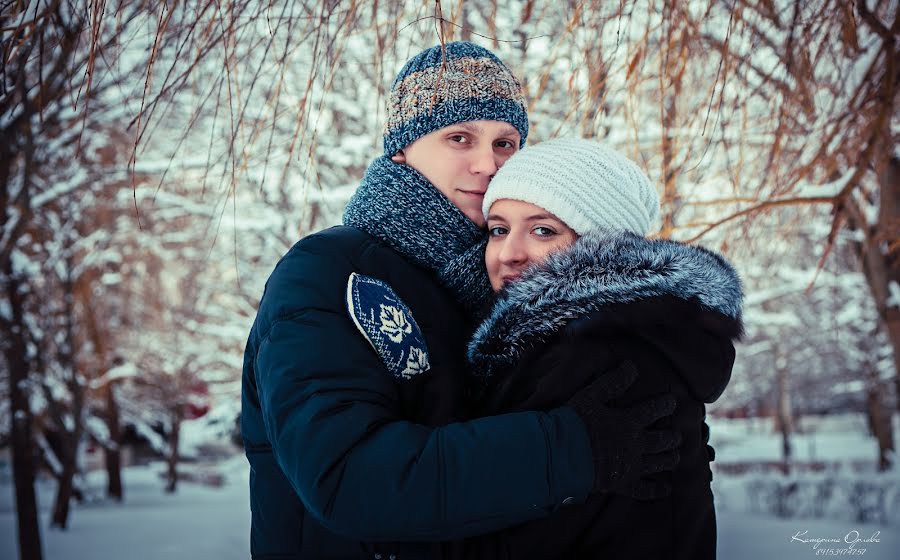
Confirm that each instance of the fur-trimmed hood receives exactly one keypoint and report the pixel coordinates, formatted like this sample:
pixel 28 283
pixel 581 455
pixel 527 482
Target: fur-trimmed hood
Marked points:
pixel 604 271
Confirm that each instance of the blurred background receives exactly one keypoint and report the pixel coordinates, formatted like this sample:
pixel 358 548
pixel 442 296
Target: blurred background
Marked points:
pixel 158 157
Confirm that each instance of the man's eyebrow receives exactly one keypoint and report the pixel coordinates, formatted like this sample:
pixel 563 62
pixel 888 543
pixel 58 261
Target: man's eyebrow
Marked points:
pixel 470 127
pixel 509 131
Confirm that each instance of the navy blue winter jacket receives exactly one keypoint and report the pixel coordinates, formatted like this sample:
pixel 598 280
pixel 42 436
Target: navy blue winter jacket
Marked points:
pixel 335 461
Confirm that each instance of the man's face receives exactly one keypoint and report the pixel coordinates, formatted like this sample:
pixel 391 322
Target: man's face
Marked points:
pixel 460 160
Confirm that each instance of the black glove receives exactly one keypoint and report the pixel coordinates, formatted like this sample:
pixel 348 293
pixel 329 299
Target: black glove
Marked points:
pixel 624 448
pixel 710 452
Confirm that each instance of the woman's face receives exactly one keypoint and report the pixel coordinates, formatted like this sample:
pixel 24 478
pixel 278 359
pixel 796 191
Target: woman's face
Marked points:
pixel 520 235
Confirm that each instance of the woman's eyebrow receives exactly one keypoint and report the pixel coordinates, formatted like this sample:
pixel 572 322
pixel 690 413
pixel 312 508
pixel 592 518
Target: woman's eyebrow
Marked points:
pixel 542 217
pixel 534 218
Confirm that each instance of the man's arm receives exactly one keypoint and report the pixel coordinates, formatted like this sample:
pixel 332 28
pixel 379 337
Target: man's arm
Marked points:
pixel 330 412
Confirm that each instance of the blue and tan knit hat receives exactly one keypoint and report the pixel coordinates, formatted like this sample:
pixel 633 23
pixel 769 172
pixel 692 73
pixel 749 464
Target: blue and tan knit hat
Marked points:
pixel 436 88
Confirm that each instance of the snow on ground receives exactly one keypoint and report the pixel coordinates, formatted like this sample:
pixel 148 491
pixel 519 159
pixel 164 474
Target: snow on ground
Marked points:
pixel 201 523
pixel 196 523
pixel 840 437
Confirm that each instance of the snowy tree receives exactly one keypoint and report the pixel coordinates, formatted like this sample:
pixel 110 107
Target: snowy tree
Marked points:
pixel 158 158
pixel 67 92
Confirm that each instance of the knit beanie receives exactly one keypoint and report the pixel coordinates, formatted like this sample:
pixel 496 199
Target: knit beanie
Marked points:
pixel 585 184
pixel 437 88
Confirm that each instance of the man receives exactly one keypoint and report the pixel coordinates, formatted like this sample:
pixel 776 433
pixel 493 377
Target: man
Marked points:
pixel 354 317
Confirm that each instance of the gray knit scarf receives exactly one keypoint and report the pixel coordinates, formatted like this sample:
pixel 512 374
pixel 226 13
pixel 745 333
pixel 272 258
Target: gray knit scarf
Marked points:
pixel 399 206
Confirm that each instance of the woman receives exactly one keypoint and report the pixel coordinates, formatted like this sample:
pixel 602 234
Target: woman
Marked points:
pixel 581 290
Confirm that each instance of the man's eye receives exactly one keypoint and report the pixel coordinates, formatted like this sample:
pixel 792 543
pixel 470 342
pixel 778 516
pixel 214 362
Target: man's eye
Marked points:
pixel 496 230
pixel 505 144
pixel 459 139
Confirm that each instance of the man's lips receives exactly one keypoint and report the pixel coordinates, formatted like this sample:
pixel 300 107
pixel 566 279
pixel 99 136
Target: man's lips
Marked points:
pixel 507 278
pixel 472 192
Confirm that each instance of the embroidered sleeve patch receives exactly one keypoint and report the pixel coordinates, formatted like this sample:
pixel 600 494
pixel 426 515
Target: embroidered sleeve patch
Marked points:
pixel 388 325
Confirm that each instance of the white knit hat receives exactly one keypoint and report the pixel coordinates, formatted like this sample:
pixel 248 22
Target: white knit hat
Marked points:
pixel 585 184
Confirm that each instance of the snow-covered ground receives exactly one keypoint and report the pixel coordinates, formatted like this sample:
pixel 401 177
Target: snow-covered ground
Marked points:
pixel 841 443
pixel 197 522
pixel 839 437
pixel 202 523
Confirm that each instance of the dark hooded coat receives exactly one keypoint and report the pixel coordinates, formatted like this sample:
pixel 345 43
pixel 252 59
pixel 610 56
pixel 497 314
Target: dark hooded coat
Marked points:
pixel 671 309
pixel 335 458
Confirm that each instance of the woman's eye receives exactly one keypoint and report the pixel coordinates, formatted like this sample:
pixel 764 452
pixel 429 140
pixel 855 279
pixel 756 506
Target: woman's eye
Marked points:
pixel 496 230
pixel 542 231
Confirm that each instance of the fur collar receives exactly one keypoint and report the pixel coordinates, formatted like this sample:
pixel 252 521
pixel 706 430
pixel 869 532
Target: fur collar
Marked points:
pixel 602 268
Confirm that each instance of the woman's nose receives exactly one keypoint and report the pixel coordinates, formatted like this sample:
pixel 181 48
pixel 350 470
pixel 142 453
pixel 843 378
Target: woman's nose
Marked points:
pixel 512 252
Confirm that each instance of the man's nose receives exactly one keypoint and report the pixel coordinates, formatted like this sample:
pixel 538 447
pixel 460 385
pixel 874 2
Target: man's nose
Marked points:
pixel 484 161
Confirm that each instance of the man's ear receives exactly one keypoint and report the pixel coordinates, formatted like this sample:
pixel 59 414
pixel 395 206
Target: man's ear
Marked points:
pixel 399 157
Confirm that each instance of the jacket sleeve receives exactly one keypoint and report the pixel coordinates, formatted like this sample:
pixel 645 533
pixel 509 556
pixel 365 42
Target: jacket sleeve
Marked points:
pixel 331 414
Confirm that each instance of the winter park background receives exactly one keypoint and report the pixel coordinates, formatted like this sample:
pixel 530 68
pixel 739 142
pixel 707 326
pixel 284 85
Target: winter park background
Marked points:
pixel 157 158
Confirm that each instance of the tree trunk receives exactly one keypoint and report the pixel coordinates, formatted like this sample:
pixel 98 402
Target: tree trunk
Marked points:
pixel 880 265
pixel 672 68
pixel 70 439
pixel 879 417
pixel 64 489
pixel 13 344
pixel 49 460
pixel 64 446
pixel 172 478
pixel 597 109
pixel 465 32
pixel 113 452
pixel 22 439
pixel 889 230
pixel 784 419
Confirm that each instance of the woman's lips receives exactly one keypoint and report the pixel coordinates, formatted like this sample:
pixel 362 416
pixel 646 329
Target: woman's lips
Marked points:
pixel 507 278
